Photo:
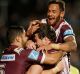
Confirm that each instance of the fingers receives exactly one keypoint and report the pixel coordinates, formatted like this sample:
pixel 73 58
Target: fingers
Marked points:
pixel 30 45
pixel 34 28
pixel 35 22
pixel 39 49
pixel 42 48
pixel 34 25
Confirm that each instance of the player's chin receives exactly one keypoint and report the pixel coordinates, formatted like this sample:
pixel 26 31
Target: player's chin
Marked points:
pixel 51 22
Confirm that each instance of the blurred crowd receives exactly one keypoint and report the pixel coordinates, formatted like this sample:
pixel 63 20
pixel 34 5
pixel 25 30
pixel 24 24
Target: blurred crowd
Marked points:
pixel 20 12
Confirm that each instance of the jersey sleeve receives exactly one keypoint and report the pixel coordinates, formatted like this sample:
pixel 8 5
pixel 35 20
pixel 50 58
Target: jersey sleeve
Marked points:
pixel 36 56
pixel 67 31
pixel 32 55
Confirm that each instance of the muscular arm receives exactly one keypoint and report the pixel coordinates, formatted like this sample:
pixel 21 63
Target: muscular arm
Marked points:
pixel 53 58
pixel 45 57
pixel 68 46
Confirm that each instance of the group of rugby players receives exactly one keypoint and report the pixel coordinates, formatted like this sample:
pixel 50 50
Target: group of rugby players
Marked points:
pixel 44 48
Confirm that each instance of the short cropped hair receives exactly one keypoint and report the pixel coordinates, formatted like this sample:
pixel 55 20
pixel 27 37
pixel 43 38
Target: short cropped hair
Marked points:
pixel 59 2
pixel 13 32
pixel 46 30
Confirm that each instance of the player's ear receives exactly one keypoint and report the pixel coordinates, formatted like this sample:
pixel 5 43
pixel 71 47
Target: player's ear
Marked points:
pixel 62 14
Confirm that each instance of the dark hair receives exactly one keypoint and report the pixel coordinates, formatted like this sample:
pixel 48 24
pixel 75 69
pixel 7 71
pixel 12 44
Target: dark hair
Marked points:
pixel 46 30
pixel 59 2
pixel 14 31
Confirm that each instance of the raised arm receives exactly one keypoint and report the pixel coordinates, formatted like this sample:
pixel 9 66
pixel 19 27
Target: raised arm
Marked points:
pixel 33 26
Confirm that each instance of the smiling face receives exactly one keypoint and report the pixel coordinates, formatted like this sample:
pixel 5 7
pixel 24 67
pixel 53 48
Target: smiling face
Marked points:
pixel 54 14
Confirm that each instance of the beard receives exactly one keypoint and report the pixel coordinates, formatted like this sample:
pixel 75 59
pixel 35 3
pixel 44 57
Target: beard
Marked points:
pixel 53 21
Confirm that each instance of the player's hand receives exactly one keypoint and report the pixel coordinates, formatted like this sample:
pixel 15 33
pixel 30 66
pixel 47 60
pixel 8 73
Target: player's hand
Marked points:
pixel 42 48
pixel 34 25
pixel 30 45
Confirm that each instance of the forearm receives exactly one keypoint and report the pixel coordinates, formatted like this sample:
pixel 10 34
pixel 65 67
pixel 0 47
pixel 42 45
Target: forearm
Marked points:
pixel 45 58
pixel 53 58
pixel 67 46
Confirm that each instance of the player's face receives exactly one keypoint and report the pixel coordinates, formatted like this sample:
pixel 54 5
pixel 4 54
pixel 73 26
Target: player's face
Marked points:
pixel 46 41
pixel 38 40
pixel 53 14
pixel 41 42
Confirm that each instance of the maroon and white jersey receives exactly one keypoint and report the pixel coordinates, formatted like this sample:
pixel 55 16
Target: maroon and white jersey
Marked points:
pixel 17 60
pixel 62 30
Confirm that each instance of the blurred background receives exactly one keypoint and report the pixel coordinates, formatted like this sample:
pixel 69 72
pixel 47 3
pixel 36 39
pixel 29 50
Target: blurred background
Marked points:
pixel 20 12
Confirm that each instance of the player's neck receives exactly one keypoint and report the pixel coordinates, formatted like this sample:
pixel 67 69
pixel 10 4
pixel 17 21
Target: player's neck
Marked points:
pixel 17 44
pixel 61 19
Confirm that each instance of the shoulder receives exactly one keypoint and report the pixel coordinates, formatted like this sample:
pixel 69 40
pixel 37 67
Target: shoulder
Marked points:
pixel 65 25
pixel 18 50
pixel 67 29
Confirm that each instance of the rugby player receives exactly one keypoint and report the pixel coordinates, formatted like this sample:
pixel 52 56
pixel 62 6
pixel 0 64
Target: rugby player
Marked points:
pixel 17 59
pixel 65 37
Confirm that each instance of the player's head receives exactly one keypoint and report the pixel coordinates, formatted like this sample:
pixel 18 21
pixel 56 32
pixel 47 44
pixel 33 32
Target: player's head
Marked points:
pixel 56 11
pixel 45 33
pixel 16 34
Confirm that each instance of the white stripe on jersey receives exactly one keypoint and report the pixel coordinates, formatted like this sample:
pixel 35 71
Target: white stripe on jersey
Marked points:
pixel 58 30
pixel 66 65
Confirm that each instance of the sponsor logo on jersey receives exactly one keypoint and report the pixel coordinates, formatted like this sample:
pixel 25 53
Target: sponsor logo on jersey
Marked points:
pixel 8 57
pixel 33 55
pixel 68 32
